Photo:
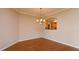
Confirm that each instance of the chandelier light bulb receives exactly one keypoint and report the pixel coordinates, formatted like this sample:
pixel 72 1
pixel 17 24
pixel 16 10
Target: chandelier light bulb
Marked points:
pixel 44 20
pixel 55 20
pixel 41 20
pixel 37 20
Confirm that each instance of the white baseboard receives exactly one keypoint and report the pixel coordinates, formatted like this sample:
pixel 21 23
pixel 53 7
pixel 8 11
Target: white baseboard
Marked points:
pixel 63 43
pixel 17 42
pixel 29 38
pixel 8 45
pixel 35 38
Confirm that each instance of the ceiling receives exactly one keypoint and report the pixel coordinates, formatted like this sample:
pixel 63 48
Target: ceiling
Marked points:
pixel 36 11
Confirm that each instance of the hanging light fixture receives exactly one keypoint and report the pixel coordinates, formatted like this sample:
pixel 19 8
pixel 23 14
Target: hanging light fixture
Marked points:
pixel 40 19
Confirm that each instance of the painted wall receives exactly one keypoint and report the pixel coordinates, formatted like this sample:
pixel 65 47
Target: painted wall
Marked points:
pixel 15 27
pixel 68 28
pixel 8 27
pixel 28 27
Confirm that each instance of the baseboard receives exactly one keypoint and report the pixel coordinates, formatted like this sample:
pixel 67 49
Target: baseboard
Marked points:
pixel 18 41
pixel 63 43
pixel 9 45
pixel 36 38
pixel 29 38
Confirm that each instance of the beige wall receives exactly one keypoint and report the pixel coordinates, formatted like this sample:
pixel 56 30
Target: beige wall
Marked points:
pixel 68 31
pixel 15 27
pixel 8 27
pixel 28 27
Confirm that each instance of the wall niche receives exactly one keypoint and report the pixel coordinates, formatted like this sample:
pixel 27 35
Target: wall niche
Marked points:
pixel 51 24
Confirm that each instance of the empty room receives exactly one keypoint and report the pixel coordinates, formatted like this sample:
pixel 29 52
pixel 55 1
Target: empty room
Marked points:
pixel 39 29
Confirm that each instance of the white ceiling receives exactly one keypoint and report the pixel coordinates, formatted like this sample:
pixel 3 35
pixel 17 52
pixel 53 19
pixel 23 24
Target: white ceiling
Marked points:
pixel 36 11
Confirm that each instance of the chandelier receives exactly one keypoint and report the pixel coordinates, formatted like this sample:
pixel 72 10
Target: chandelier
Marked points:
pixel 40 19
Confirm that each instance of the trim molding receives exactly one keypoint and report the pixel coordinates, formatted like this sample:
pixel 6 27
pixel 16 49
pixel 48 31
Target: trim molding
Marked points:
pixel 63 43
pixel 9 45
pixel 36 38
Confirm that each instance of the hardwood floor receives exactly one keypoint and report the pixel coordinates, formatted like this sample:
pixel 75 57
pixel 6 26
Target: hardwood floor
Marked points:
pixel 40 44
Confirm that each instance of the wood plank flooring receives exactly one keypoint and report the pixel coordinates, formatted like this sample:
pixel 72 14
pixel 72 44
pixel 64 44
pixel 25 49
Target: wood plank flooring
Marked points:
pixel 40 44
